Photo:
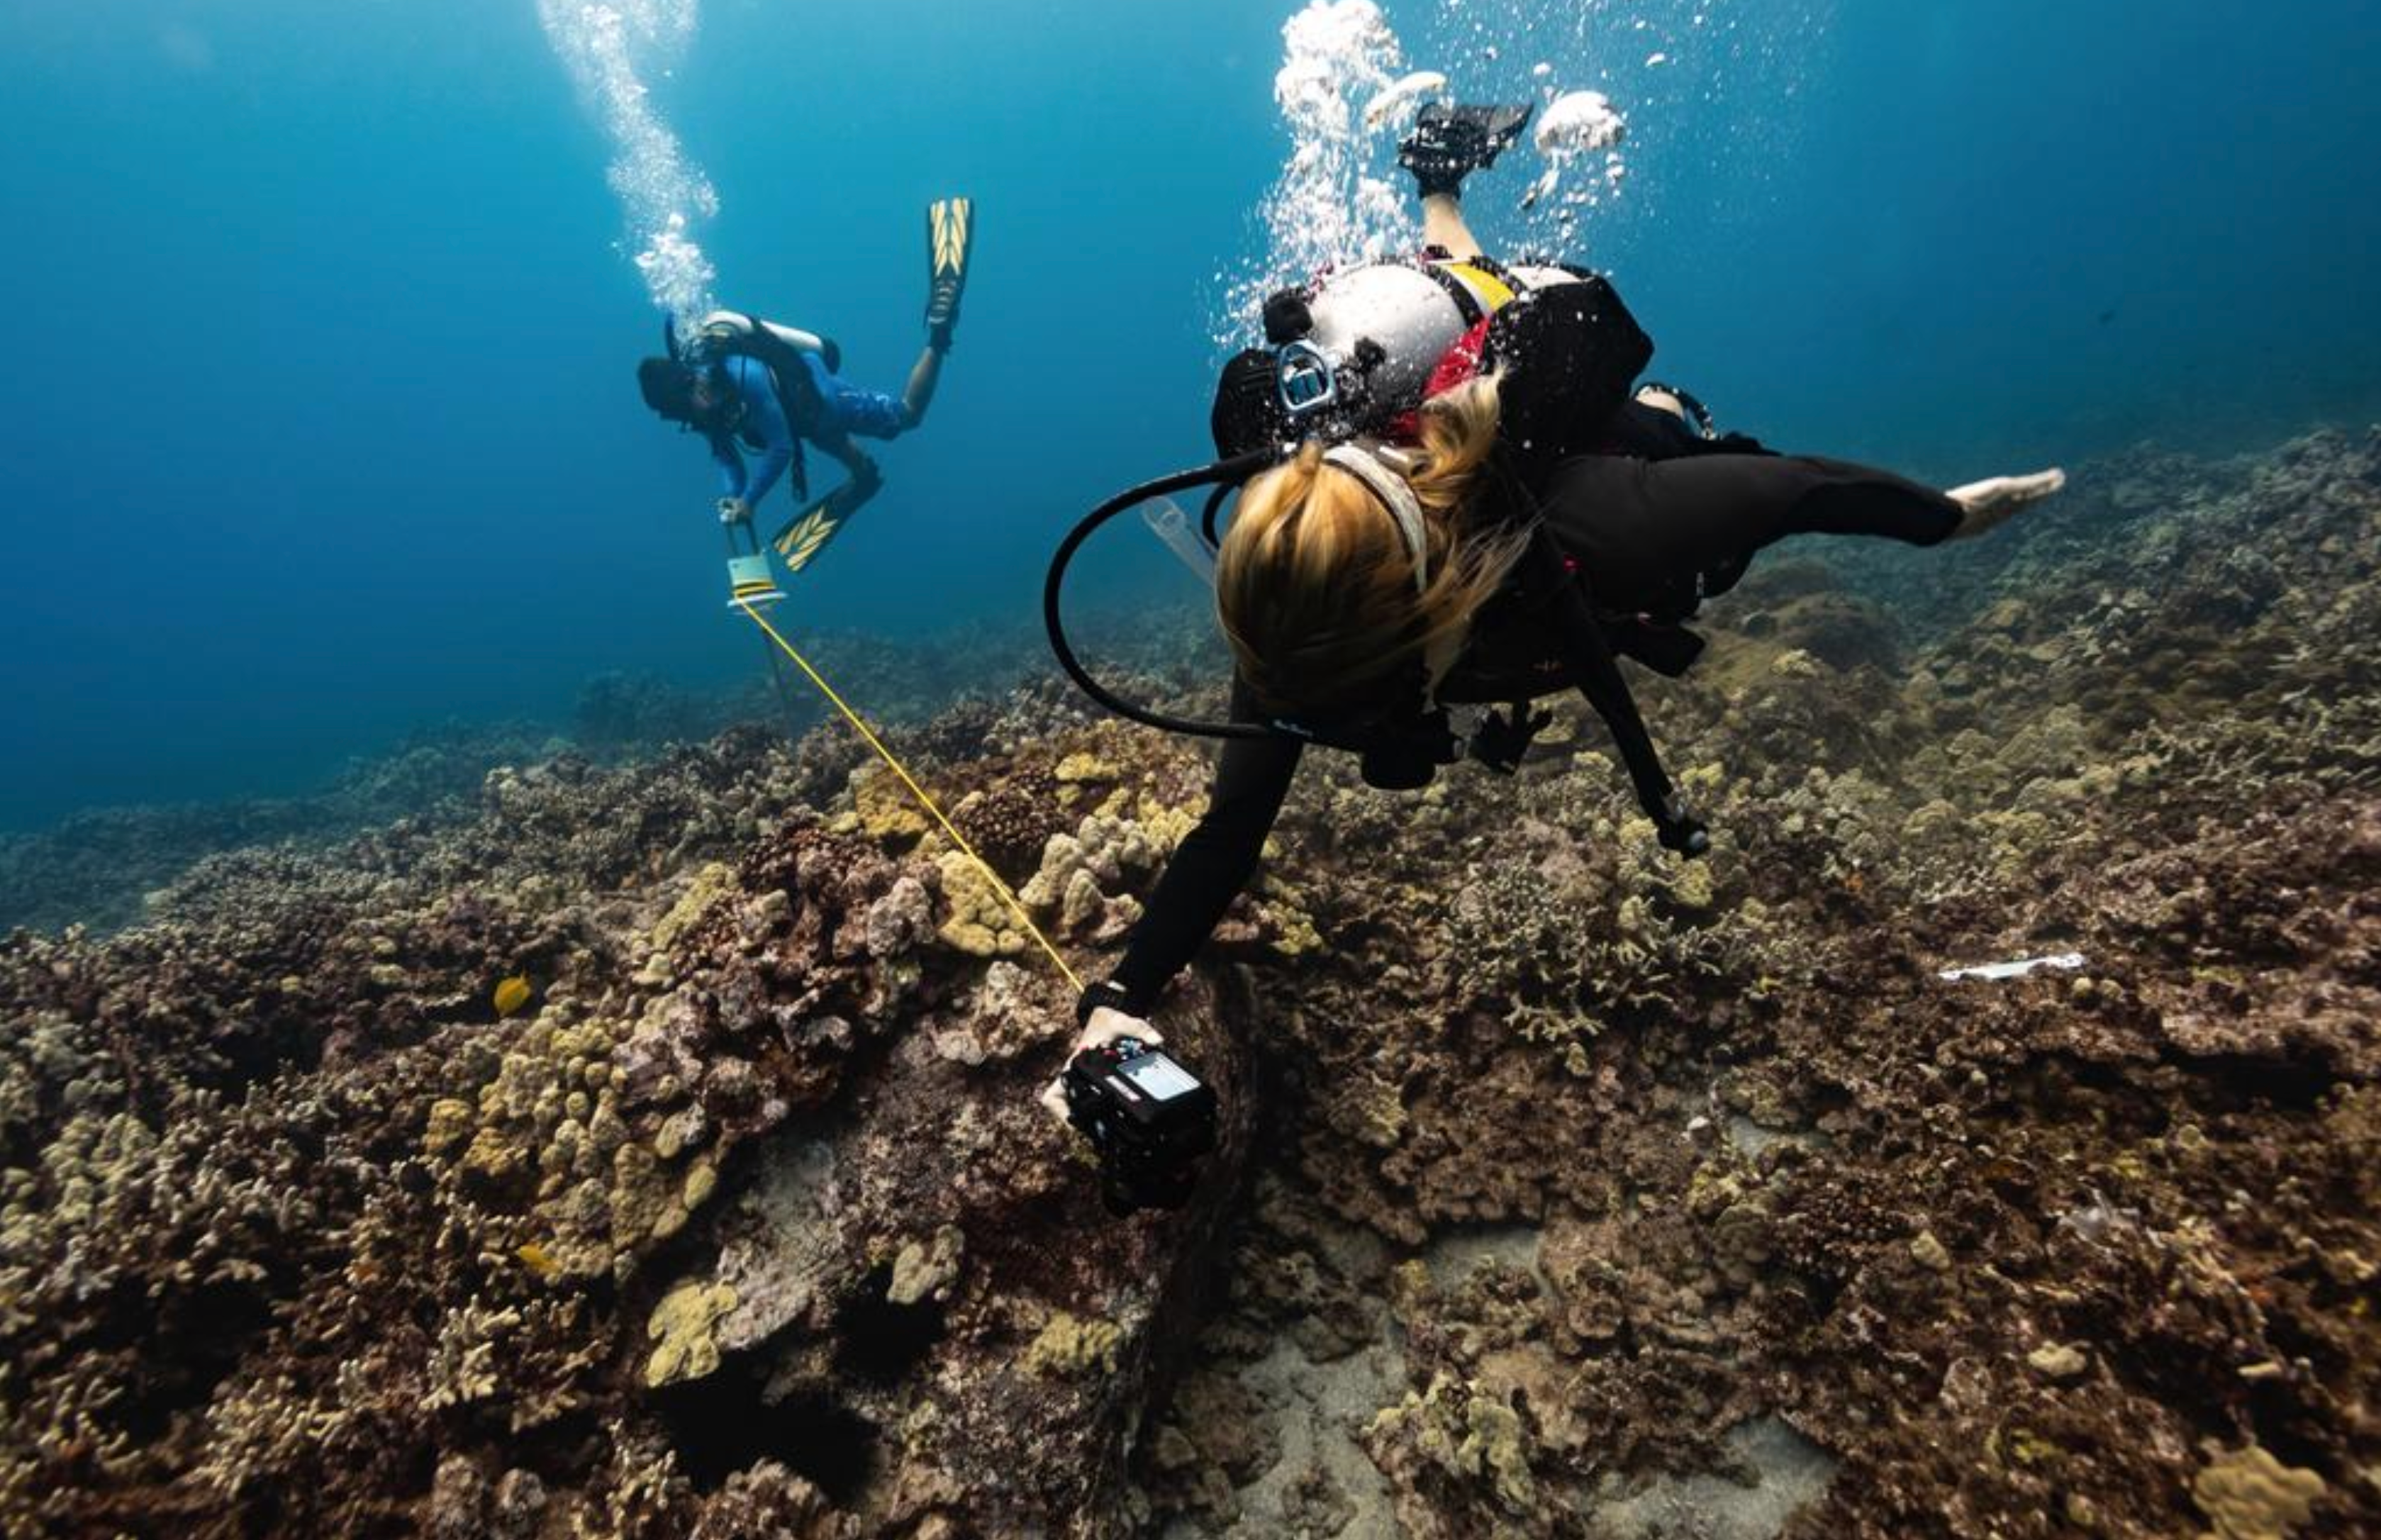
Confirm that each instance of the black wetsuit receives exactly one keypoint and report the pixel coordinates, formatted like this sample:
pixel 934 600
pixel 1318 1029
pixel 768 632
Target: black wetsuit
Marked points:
pixel 1657 520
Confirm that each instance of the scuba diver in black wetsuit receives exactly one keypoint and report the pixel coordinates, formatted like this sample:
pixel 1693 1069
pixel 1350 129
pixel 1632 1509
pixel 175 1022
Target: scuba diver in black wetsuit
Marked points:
pixel 749 385
pixel 1452 490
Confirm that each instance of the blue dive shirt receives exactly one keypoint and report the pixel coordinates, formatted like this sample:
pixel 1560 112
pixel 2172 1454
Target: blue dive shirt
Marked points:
pixel 847 407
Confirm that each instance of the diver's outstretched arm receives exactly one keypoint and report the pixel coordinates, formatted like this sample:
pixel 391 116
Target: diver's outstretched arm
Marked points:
pixel 1206 871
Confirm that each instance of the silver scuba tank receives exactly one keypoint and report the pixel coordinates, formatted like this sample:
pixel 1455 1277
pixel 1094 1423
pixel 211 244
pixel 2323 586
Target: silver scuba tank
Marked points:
pixel 732 323
pixel 1362 344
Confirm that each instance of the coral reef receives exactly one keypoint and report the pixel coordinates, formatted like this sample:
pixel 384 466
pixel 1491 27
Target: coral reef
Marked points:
pixel 1687 1201
pixel 98 868
pixel 713 1235
pixel 1571 1190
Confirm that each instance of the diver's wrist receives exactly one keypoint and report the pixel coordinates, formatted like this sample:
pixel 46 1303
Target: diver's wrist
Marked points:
pixel 1107 994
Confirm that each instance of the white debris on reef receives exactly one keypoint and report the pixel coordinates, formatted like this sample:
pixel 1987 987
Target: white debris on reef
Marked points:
pixel 2016 969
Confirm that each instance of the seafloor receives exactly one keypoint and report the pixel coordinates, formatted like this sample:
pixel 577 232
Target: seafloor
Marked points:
pixel 1568 1189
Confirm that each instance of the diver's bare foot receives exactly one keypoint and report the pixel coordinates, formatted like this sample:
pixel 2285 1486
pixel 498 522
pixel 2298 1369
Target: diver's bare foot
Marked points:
pixel 1984 505
pixel 1662 400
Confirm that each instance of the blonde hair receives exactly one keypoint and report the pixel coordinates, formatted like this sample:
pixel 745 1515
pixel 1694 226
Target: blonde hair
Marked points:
pixel 1315 583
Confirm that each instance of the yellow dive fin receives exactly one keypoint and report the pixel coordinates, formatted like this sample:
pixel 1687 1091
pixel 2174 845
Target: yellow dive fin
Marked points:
pixel 950 229
pixel 798 544
pixel 950 241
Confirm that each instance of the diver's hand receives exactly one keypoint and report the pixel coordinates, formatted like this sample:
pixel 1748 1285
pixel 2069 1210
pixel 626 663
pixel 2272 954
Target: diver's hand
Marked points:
pixel 1107 1024
pixel 1688 836
pixel 1679 830
pixel 1984 503
pixel 734 510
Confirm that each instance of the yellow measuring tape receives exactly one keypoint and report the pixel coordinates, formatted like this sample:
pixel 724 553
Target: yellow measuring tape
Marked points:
pixel 918 792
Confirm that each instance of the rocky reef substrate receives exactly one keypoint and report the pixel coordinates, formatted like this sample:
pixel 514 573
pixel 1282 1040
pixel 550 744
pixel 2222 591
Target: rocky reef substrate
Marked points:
pixel 1568 1189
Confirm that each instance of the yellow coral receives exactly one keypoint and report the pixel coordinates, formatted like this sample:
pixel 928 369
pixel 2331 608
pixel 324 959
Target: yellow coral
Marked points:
pixel 1169 822
pixel 1690 885
pixel 701 1180
pixel 1069 1345
pixel 1465 1431
pixel 449 1126
pixel 1494 1446
pixel 980 921
pixel 683 1323
pixel 1086 766
pixel 710 884
pixel 885 808
pixel 2249 1495
pixel 645 1197
pixel 1294 932
pixel 495 1156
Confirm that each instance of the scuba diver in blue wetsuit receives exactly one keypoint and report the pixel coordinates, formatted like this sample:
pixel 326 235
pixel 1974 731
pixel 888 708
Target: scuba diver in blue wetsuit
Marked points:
pixel 754 387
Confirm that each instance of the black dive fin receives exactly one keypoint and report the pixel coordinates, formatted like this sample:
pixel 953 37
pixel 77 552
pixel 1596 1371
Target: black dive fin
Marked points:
pixel 1450 143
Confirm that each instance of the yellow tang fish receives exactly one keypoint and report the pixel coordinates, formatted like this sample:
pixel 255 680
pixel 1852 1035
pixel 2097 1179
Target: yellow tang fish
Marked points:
pixel 512 995
pixel 539 1260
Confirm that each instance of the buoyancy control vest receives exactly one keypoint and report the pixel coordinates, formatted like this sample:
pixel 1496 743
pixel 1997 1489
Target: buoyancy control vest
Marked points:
pixel 779 349
pixel 722 333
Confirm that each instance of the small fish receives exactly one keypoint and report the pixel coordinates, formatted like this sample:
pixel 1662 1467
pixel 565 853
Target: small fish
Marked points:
pixel 512 995
pixel 538 1260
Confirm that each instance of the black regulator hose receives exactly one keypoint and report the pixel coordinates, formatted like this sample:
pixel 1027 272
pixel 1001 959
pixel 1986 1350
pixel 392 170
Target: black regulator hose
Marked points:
pixel 1214 507
pixel 1224 475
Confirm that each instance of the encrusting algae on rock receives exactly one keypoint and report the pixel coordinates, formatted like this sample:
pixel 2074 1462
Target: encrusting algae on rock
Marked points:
pixel 682 1325
pixel 1069 1345
pixel 2249 1495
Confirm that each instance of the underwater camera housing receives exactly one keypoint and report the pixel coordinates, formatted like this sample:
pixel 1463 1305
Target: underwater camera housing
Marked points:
pixel 1148 1116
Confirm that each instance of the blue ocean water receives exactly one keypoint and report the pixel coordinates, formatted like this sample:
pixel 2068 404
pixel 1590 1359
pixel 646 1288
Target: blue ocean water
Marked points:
pixel 320 421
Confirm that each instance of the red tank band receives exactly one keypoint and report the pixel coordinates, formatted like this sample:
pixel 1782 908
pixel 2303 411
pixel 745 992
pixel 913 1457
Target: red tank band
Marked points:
pixel 1458 365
